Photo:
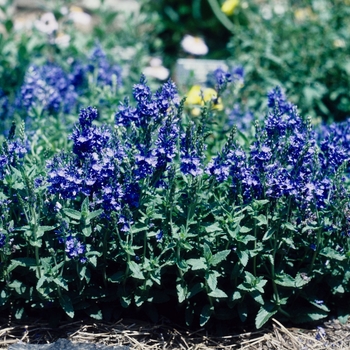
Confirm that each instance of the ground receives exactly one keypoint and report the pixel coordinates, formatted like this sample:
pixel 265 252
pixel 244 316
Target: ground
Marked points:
pixel 138 335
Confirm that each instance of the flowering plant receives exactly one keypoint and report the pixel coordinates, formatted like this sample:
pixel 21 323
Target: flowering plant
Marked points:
pixel 142 213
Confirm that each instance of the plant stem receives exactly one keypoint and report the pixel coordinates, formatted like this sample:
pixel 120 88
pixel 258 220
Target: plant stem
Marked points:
pixel 221 16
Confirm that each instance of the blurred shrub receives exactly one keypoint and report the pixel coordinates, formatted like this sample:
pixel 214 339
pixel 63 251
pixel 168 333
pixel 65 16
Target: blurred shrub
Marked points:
pixel 173 19
pixel 301 45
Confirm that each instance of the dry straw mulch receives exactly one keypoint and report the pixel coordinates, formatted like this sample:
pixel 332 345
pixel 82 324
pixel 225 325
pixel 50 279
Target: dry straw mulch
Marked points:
pixel 138 335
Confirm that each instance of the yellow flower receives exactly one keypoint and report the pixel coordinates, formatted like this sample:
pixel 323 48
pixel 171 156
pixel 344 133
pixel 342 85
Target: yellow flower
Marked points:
pixel 197 97
pixel 229 6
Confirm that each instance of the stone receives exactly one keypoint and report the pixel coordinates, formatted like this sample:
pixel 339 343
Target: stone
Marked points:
pixel 65 344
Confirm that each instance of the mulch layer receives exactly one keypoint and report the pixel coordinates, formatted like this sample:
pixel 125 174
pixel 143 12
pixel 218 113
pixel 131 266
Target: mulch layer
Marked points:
pixel 139 335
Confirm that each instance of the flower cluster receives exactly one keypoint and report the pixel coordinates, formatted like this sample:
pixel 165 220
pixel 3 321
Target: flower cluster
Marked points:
pixel 11 153
pixel 51 88
pixel 91 170
pixel 104 70
pixel 2 239
pixel 285 159
pixel 335 145
pixel 47 87
pixel 107 165
pixel 75 249
pixel 151 108
pixel 190 152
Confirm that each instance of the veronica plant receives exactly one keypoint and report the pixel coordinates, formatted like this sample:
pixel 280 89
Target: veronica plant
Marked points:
pixel 140 213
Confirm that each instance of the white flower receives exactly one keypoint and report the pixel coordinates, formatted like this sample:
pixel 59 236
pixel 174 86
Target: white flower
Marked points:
pixel 194 45
pixel 78 16
pixel 47 23
pixel 23 23
pixel 156 69
pixel 62 40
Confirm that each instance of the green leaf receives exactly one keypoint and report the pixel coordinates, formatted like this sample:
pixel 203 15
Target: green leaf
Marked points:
pixel 36 243
pixel 23 262
pixel 218 293
pixel 181 289
pixel 125 300
pixel 219 257
pixel 205 314
pixel 42 229
pixel 243 257
pixel 242 311
pixel 261 202
pixel 41 281
pixel 257 297
pixel 207 252
pixel 285 280
pixel 301 279
pixel 60 281
pixel 116 277
pixel 215 227
pixel 245 229
pixel 237 295
pixel 87 231
pixel 212 279
pixel 262 220
pixel 264 314
pixel 73 214
pixel 67 305
pixel 269 233
pixel 197 264
pixel 332 254
pixel 94 312
pixel 289 226
pixel 136 270
pixel 319 305
pixel 94 214
pixel 307 315
pixel 197 288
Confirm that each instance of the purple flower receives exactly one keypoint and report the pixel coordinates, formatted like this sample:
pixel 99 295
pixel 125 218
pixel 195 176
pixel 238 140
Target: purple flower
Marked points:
pixel 2 239
pixel 75 249
pixel 222 78
pixel 166 143
pixel 49 87
pixel 237 74
pixel 141 91
pixel 126 114
pixel 104 70
pixel 190 153
pixel 159 236
pixel 277 100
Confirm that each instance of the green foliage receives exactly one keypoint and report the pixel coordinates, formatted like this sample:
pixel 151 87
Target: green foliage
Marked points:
pixel 303 46
pixel 194 246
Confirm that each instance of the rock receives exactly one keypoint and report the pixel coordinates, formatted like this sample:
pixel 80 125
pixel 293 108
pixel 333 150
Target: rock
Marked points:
pixel 64 344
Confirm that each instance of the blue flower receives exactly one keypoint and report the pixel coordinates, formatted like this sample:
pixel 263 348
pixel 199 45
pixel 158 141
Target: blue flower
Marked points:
pixel 166 143
pixel 190 153
pixel 146 163
pixel 75 249
pixel 105 71
pixel 126 114
pixel 237 74
pixel 222 78
pixel 141 91
pixel 278 102
pixel 47 87
pixel 88 138
pixel 2 239
pixel 159 236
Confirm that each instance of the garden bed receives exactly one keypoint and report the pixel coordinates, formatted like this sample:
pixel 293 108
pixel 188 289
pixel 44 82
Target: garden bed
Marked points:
pixel 138 335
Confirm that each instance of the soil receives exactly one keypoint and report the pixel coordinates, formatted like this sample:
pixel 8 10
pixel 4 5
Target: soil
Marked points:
pixel 137 335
